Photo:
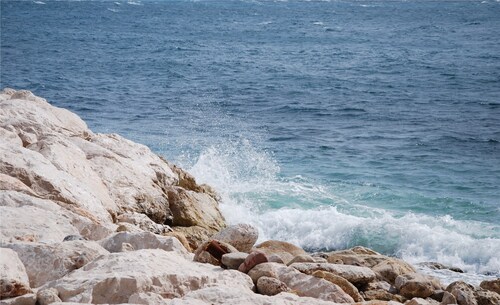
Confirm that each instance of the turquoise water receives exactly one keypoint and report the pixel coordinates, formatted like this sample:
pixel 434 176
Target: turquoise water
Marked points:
pixel 325 123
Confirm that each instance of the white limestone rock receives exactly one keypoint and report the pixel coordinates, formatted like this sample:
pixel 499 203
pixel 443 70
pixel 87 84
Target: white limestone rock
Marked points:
pixel 48 262
pixel 222 296
pixel 143 240
pixel 13 277
pixel 116 277
pixel 27 218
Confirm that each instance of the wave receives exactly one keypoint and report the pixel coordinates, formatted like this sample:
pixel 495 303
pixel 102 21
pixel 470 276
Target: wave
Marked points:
pixel 310 214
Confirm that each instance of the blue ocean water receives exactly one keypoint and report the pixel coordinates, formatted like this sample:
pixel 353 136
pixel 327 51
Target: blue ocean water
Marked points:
pixel 325 123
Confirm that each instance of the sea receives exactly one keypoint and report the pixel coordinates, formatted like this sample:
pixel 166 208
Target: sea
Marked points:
pixel 327 124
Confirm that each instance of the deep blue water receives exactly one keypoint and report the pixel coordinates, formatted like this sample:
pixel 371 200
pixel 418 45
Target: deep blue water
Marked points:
pixel 325 123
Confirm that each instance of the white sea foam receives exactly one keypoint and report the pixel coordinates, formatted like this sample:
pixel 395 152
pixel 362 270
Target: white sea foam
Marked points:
pixel 311 215
pixel 39 2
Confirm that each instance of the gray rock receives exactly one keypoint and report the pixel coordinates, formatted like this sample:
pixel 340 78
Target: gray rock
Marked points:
pixel 47 296
pixel 233 260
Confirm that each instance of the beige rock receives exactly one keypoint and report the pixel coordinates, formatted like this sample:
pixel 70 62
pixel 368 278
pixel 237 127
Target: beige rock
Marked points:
pixel 241 236
pixel 463 293
pixel 25 299
pixel 310 286
pixel 143 222
pixel 419 301
pixel 487 297
pixel 270 286
pixel 302 284
pixel 202 256
pixel 383 295
pixel 116 277
pixel 194 209
pixel 233 260
pixel 143 240
pixel 274 258
pixel 13 277
pixel 47 296
pixel 448 298
pixel 344 284
pixel 147 298
pixel 357 256
pixel 264 269
pixel 128 227
pixel 416 285
pixel 221 296
pixel 48 262
pixel 493 285
pixel 388 270
pixel 354 274
pixel 377 302
pixel 195 235
pixel 286 251
pixel 302 259
pixel 182 238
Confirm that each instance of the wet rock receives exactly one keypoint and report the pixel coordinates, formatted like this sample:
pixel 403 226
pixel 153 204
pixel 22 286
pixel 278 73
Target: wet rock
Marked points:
pixel 286 251
pixel 233 260
pixel 439 266
pixel 270 286
pixel 13 277
pixel 240 236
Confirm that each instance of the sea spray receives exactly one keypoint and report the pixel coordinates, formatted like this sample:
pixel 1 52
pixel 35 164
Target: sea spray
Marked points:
pixel 310 214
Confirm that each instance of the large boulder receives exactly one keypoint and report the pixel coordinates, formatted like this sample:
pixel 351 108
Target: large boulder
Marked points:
pixel 416 285
pixel 492 285
pixel 270 286
pixel 48 262
pixel 143 240
pixel 48 153
pixel 354 274
pixel 13 277
pixel 286 251
pixel 116 277
pixel 487 297
pixel 389 269
pixel 241 236
pixel 464 293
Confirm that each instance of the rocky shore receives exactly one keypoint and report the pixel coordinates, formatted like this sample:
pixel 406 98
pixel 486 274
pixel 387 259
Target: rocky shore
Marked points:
pixel 96 218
